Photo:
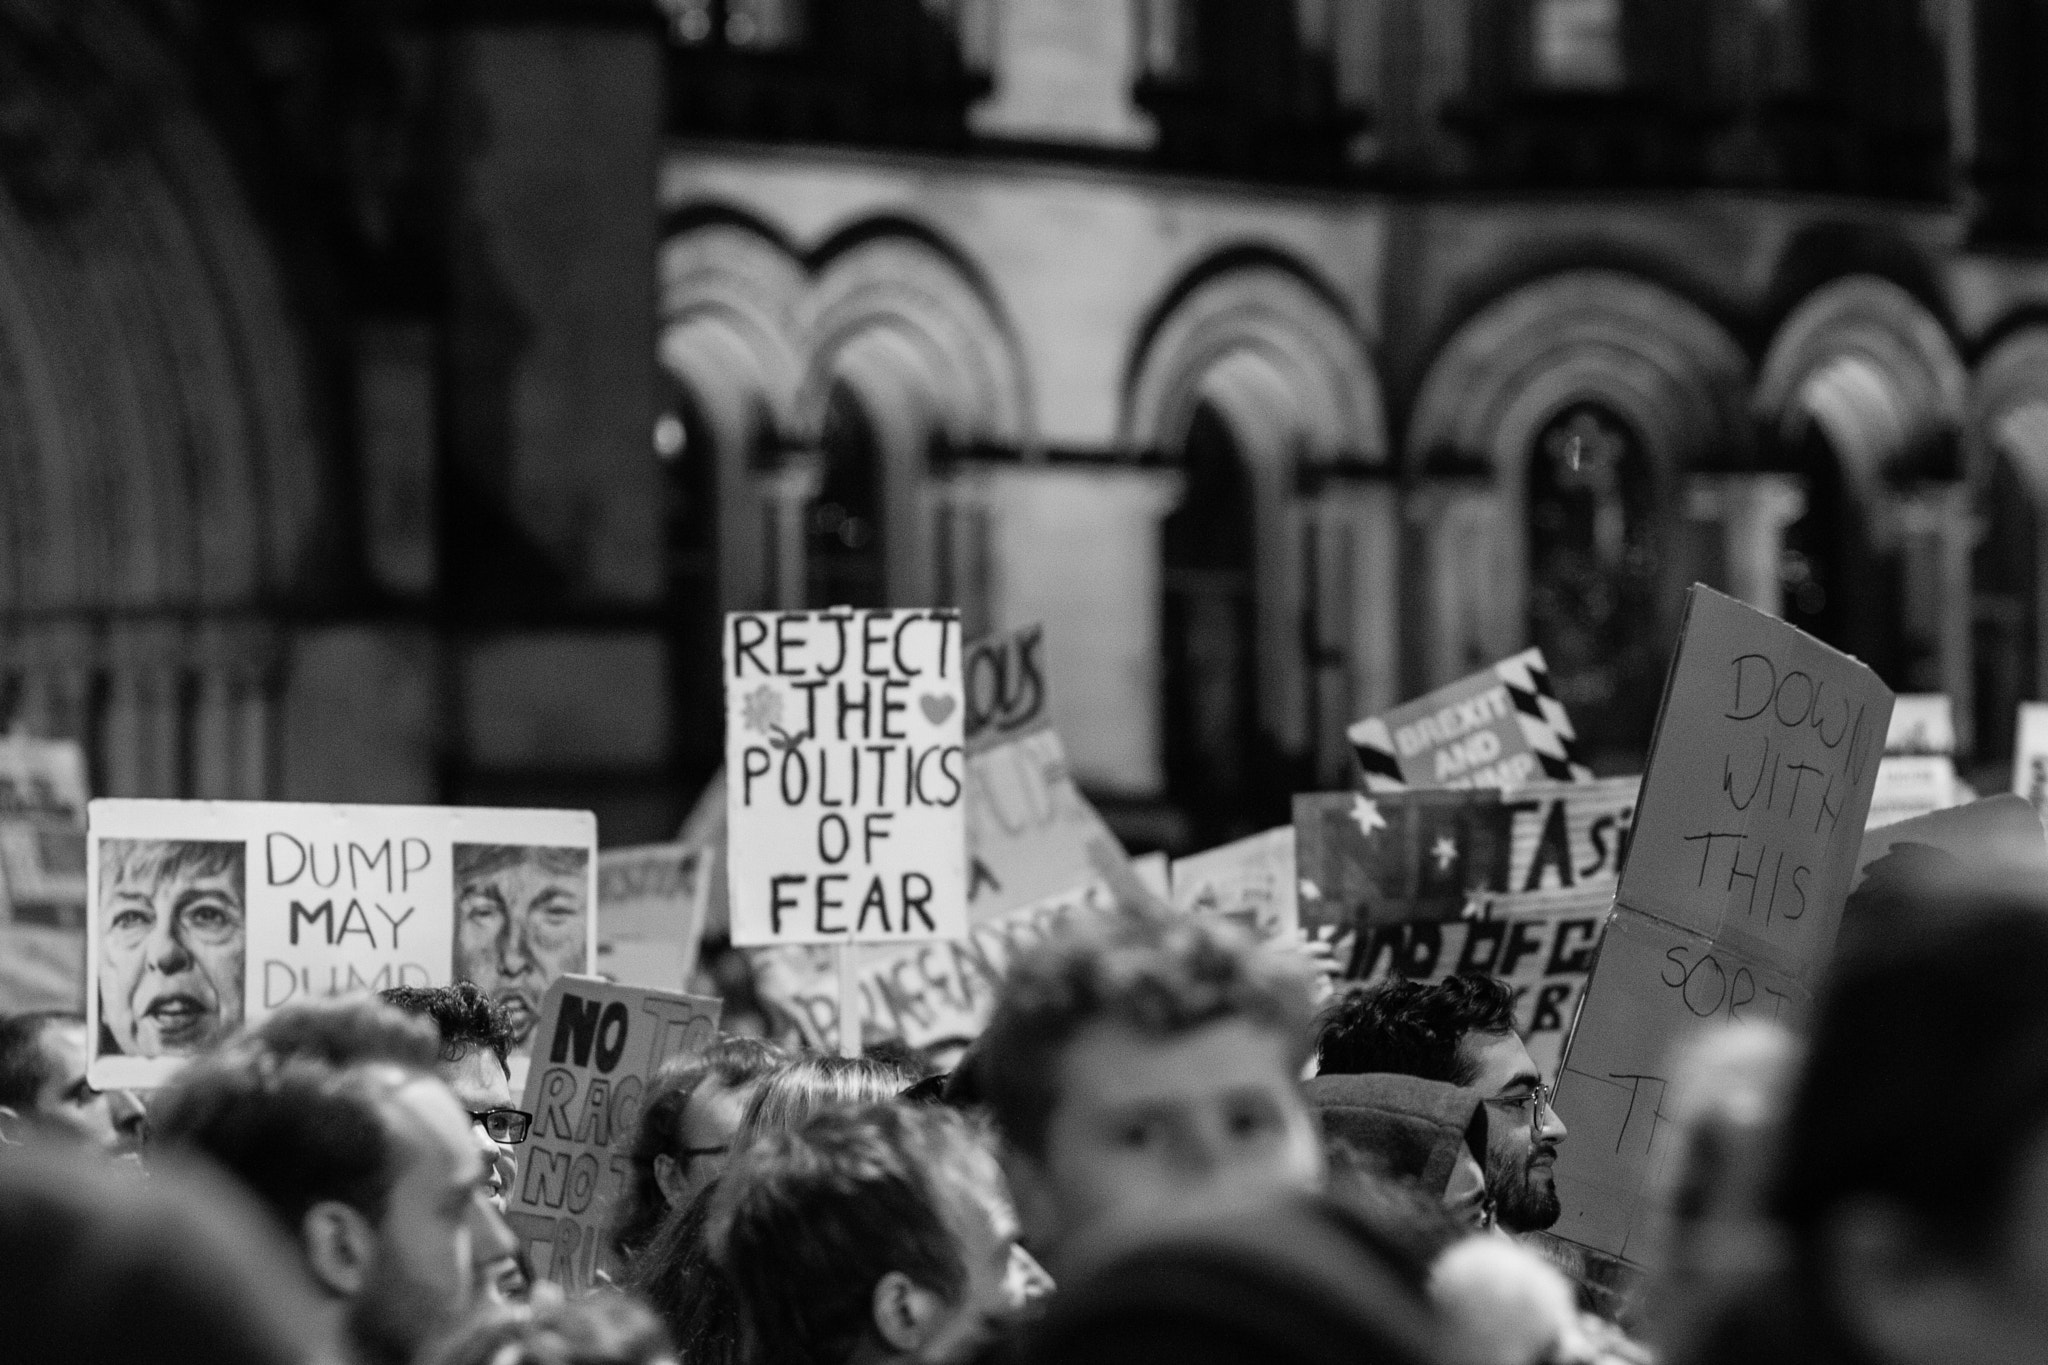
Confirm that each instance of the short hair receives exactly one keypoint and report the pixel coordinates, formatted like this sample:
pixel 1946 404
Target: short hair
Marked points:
pixel 604 1328
pixel 295 1130
pixel 1947 1009
pixel 812 1084
pixel 152 860
pixel 1413 1028
pixel 471 861
pixel 24 1065
pixel 467 1018
pixel 732 1062
pixel 345 1031
pixel 808 1222
pixel 179 1269
pixel 1156 974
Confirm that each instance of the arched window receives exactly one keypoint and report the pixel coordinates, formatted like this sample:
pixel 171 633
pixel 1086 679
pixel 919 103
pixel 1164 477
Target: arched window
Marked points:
pixel 1594 576
pixel 844 565
pixel 1211 663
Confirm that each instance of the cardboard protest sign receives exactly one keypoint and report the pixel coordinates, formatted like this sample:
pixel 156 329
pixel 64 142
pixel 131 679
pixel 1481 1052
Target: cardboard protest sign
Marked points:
pixel 1424 855
pixel 650 913
pixel 1501 727
pixel 2030 756
pixel 1745 839
pixel 1250 881
pixel 1030 831
pixel 598 1046
pixel 928 994
pixel 845 771
pixel 1918 772
pixel 42 874
pixel 209 914
pixel 1005 684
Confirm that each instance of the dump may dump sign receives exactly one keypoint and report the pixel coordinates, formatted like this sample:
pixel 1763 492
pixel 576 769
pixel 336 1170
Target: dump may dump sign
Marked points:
pixel 598 1045
pixel 846 770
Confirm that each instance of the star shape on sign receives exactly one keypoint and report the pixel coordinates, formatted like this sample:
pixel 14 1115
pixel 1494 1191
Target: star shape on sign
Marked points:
pixel 1445 851
pixel 1366 815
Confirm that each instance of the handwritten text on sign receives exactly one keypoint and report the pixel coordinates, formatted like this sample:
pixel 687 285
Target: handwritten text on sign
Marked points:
pixel 1746 837
pixel 845 775
pixel 597 1047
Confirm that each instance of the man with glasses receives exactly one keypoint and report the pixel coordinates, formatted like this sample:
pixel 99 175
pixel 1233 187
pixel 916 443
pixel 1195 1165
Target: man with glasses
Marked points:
pixel 1460 1030
pixel 476 1039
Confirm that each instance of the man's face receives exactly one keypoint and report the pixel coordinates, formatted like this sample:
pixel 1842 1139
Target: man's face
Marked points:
pixel 68 1108
pixel 1146 1126
pixel 1520 1159
pixel 994 1291
pixel 437 1222
pixel 479 1081
pixel 171 961
pixel 516 930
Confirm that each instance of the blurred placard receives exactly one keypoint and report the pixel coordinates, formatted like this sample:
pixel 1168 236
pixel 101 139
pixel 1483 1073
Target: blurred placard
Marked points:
pixel 209 914
pixel 597 1045
pixel 845 771
pixel 1250 881
pixel 2030 756
pixel 1748 831
pixel 1500 727
pixel 1918 772
pixel 42 874
pixel 1006 687
pixel 651 903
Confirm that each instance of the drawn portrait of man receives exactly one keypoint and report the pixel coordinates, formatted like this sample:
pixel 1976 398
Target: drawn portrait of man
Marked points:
pixel 521 917
pixel 173 940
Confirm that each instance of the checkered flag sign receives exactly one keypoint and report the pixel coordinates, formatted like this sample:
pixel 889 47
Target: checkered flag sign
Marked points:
pixel 1500 727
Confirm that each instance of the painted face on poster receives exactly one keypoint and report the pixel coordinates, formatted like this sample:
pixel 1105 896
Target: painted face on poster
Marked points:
pixel 845 821
pixel 207 916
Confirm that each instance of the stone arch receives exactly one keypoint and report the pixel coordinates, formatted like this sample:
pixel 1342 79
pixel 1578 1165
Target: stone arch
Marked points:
pixel 2005 455
pixel 1655 360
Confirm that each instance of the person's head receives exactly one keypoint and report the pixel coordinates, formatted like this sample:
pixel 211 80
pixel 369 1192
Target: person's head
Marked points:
pixel 44 1094
pixel 1460 1030
pixel 687 1121
pixel 476 1039
pixel 520 922
pixel 174 1270
pixel 369 1168
pixel 788 1095
pixel 880 1233
pixel 1139 1063
pixel 1502 1304
pixel 1913 1181
pixel 604 1328
pixel 172 944
pixel 1427 1134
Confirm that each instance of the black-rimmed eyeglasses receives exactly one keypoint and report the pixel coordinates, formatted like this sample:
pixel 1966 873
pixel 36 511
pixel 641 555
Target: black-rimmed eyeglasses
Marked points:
pixel 508 1126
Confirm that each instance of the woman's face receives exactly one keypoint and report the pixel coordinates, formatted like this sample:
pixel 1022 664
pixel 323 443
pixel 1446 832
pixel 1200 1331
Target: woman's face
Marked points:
pixel 1465 1195
pixel 171 960
pixel 516 930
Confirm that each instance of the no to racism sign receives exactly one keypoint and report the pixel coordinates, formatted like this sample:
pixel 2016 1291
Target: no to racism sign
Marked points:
pixel 845 776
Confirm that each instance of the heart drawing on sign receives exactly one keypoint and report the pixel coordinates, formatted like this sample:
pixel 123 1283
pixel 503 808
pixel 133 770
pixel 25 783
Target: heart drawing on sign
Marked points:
pixel 936 709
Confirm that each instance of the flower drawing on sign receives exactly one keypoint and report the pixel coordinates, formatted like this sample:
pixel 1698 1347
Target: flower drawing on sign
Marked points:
pixel 761 712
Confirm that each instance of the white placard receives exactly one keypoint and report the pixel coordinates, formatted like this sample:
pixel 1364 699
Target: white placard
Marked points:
pixel 208 915
pixel 844 771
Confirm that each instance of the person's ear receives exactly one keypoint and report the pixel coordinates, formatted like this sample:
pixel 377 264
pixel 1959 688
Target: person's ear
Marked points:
pixel 905 1313
pixel 668 1175
pixel 340 1246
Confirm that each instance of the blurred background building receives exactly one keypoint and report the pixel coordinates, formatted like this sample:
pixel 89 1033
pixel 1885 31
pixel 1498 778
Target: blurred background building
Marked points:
pixel 393 393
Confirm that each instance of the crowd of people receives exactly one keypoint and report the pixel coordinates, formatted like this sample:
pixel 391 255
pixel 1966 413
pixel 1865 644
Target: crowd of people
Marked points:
pixel 1170 1144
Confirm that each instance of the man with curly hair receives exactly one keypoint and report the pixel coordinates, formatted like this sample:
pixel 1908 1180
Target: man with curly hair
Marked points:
pixel 1140 1065
pixel 1460 1030
pixel 476 1039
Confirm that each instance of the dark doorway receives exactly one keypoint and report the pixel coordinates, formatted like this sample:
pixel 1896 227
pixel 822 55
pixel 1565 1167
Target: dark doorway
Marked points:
pixel 843 531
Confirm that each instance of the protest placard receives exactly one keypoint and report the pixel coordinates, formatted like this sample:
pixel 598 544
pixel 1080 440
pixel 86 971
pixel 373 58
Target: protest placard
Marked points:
pixel 1250 882
pixel 931 995
pixel 1031 833
pixel 1435 855
pixel 2030 756
pixel 1745 839
pixel 1005 685
pixel 42 874
pixel 1500 727
pixel 598 1046
pixel 650 913
pixel 1918 772
pixel 209 914
pixel 845 772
